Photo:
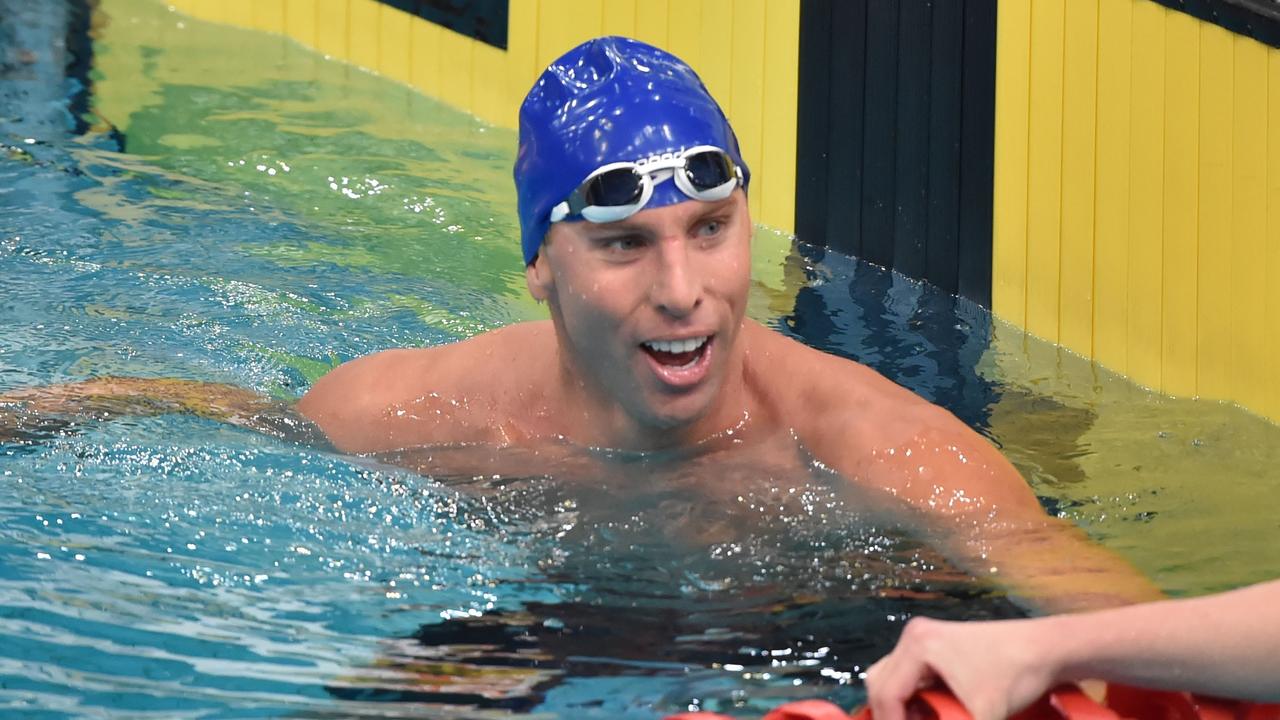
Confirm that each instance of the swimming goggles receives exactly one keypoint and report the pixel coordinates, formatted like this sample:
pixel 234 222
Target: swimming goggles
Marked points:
pixel 619 190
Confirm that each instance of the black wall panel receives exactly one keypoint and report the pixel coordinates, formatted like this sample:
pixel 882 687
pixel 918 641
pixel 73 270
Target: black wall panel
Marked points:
pixel 484 20
pixel 904 93
pixel 977 150
pixel 911 178
pixel 811 127
pixel 942 234
pixel 879 137
pixel 1258 19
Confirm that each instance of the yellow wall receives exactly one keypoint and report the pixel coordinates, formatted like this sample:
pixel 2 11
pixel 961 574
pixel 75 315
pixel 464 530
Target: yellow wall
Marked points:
pixel 726 41
pixel 1137 194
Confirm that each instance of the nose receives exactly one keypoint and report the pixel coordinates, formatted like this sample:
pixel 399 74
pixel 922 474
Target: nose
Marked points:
pixel 677 284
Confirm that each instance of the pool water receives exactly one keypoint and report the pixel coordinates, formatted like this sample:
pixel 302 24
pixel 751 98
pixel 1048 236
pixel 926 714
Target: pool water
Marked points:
pixel 208 203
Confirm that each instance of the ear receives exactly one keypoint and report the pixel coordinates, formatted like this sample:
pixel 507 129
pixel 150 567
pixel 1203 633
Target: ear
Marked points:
pixel 538 276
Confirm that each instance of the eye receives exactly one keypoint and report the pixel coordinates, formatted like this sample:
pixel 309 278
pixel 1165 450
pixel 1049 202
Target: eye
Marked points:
pixel 710 228
pixel 621 244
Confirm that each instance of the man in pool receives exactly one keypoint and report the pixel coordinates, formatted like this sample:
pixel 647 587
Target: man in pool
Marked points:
pixel 636 234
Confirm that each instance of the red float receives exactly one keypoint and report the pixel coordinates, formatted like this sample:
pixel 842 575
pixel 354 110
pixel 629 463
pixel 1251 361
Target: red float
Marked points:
pixel 1065 703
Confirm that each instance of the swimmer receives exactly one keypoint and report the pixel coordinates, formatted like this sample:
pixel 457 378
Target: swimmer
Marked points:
pixel 632 200
pixel 1221 645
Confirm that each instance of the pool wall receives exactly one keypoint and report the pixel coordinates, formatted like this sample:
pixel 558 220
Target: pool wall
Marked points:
pixel 726 41
pixel 896 136
pixel 1135 193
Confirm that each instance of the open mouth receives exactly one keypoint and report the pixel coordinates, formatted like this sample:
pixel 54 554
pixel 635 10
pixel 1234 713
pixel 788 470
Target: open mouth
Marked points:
pixel 677 354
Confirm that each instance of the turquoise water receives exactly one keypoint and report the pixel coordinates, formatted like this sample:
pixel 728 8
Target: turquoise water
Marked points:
pixel 256 217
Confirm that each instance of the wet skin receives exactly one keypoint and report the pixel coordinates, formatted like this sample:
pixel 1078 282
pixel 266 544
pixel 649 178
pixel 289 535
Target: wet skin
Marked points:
pixel 648 351
pixel 619 365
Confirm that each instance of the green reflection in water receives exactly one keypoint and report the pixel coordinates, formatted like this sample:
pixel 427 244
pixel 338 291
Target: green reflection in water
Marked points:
pixel 387 180
pixel 1184 488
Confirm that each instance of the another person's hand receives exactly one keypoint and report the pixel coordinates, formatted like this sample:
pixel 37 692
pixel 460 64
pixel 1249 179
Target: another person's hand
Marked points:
pixel 994 669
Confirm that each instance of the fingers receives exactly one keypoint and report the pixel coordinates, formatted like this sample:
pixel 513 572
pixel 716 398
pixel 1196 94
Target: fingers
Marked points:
pixel 993 668
pixel 893 680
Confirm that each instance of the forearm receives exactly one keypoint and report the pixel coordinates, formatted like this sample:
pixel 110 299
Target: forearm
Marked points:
pixel 1218 644
pixel 111 397
pixel 1052 566
pixel 960 492
pixel 131 396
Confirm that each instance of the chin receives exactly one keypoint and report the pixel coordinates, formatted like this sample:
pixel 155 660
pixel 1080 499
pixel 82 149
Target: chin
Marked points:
pixel 672 421
pixel 680 412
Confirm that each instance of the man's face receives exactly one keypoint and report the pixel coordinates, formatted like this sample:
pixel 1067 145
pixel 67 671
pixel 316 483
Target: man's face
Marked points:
pixel 648 308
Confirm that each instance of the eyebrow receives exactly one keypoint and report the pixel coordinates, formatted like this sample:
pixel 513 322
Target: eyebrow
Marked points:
pixel 608 231
pixel 716 208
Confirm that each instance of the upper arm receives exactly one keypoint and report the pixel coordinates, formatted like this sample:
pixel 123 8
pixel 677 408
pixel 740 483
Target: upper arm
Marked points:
pixel 886 438
pixel 950 480
pixel 944 467
pixel 354 404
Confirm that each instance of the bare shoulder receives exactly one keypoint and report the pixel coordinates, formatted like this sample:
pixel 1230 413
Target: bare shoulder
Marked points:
pixel 816 386
pixel 396 398
pixel 877 433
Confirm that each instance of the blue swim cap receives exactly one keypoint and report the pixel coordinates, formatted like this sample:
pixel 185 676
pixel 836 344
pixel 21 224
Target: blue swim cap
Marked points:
pixel 612 99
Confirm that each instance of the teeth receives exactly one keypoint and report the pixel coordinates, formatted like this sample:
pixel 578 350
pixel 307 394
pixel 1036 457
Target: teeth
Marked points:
pixel 677 346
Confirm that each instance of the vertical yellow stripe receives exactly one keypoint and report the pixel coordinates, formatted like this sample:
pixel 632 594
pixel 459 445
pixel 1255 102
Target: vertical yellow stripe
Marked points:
pixel 331 28
pixel 217 11
pixel 362 33
pixel 1273 227
pixel 778 124
pixel 187 7
pixel 562 24
pixel 224 12
pixel 489 85
pixel 1009 248
pixel 1079 106
pixel 1146 193
pixel 1213 296
pixel 300 21
pixel 651 22
pixel 684 33
pixel 268 15
pixel 717 49
pixel 746 99
pixel 619 18
pixel 455 69
pixel 1044 172
pixel 394 43
pixel 1181 136
pixel 210 10
pixel 550 33
pixel 588 20
pixel 1249 222
pixel 424 57
pixel 239 12
pixel 522 54
pixel 1111 203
